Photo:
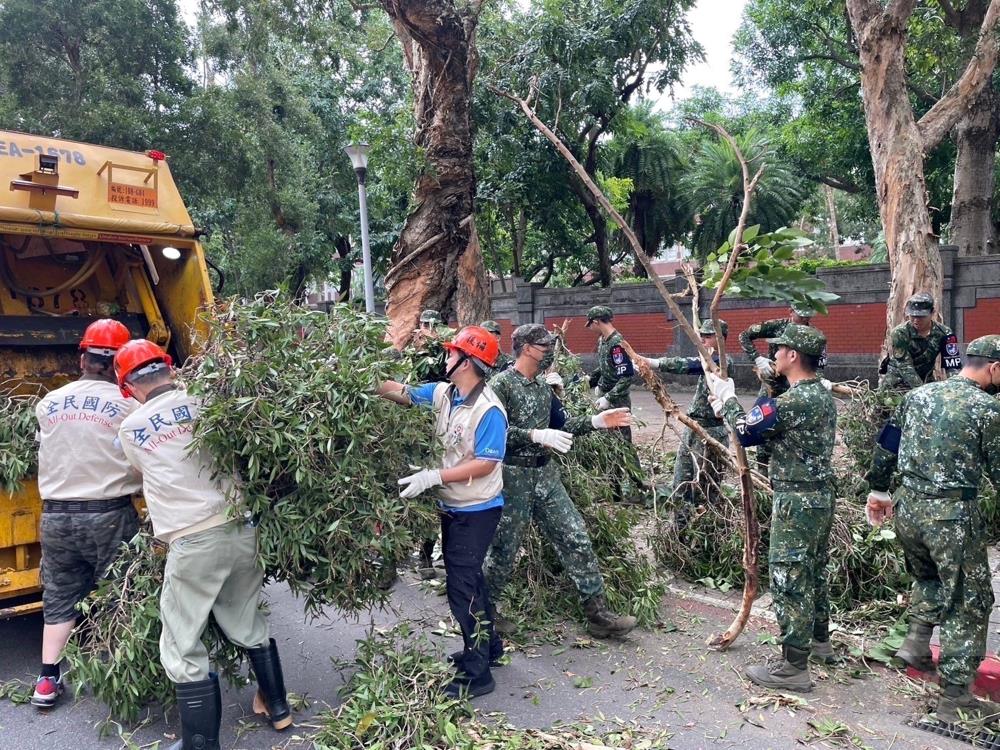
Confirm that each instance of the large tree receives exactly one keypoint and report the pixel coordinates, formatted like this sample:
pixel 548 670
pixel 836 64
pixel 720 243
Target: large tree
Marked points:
pixel 898 141
pixel 437 262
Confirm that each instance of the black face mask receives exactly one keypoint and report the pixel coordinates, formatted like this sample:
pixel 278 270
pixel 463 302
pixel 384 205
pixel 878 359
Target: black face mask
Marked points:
pixel 546 361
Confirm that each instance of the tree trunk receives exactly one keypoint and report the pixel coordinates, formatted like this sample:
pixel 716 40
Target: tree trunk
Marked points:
pixel 976 136
pixel 438 41
pixel 831 210
pixel 343 245
pixel 898 142
pixel 473 304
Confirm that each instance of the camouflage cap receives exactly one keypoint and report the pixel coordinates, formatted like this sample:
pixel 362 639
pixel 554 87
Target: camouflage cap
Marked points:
pixel 920 305
pixel 802 310
pixel 492 326
pixel 599 312
pixel 531 333
pixel 987 347
pixel 430 316
pixel 708 327
pixel 805 339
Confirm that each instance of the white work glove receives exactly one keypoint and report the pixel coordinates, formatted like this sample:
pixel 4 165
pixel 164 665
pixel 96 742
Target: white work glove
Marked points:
pixel 722 388
pixel 764 366
pixel 602 403
pixel 716 406
pixel 557 440
pixel 554 379
pixel 610 418
pixel 826 384
pixel 652 362
pixel 422 481
pixel 878 508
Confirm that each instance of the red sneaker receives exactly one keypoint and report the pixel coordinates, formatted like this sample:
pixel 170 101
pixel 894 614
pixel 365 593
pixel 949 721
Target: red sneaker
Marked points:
pixel 47 692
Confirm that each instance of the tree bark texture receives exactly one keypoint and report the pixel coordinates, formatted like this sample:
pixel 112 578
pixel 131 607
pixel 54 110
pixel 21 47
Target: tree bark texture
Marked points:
pixel 976 134
pixel 898 142
pixel 438 41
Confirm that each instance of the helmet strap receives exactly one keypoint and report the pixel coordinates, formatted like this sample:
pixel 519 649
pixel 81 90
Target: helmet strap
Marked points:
pixel 463 356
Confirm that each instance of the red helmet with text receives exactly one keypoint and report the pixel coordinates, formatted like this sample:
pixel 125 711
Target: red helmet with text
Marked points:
pixel 139 357
pixel 104 337
pixel 476 342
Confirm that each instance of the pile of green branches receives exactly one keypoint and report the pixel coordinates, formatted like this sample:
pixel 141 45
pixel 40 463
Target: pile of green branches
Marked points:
pixel 18 449
pixel 290 407
pixel 393 701
pixel 115 651
pixel 594 473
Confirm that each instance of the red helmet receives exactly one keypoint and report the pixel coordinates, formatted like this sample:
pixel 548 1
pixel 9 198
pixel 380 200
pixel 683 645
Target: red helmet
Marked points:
pixel 476 341
pixel 104 337
pixel 134 356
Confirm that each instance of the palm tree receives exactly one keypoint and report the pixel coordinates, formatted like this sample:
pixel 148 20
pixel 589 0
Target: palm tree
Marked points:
pixel 713 189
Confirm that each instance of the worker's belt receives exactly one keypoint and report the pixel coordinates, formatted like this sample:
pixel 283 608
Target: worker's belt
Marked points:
pixel 530 462
pixel 929 489
pixel 86 506
pixel 784 485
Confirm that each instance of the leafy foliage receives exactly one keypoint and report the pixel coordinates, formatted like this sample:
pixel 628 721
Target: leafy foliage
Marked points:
pixel 763 271
pixel 18 449
pixel 393 702
pixel 115 650
pixel 290 406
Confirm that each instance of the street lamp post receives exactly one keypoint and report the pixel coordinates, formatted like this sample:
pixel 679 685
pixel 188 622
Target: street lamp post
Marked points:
pixel 358 152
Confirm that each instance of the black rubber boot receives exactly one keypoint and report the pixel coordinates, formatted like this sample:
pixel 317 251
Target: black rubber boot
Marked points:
pixel 200 706
pixel 791 673
pixel 957 704
pixel 916 649
pixel 271 699
pixel 603 623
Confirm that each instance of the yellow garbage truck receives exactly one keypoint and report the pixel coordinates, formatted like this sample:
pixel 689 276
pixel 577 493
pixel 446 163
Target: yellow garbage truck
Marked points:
pixel 86 232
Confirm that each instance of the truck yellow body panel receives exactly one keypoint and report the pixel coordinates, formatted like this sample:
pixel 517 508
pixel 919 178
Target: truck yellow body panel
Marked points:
pixel 83 230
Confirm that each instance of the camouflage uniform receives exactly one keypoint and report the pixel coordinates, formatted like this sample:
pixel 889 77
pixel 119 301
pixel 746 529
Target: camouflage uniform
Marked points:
pixel 799 425
pixel 911 361
pixel 533 489
pixel 614 373
pixel 943 438
pixel 771 386
pixel 692 452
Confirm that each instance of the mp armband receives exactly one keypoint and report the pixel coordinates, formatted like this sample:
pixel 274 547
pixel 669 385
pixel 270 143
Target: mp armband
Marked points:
pixel 889 437
pixel 762 417
pixel 951 357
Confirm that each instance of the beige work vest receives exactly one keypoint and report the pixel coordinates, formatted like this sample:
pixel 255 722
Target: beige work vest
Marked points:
pixel 456 429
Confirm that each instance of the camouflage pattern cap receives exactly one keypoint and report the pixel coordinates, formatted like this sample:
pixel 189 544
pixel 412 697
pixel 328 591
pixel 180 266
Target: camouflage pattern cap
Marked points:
pixel 802 310
pixel 430 316
pixel 531 333
pixel 920 305
pixel 985 346
pixel 708 327
pixel 805 339
pixel 492 326
pixel 599 312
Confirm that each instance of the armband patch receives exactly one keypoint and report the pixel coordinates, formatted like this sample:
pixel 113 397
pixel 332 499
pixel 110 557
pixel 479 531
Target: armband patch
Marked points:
pixel 762 417
pixel 951 357
pixel 621 363
pixel 889 437
pixel 822 360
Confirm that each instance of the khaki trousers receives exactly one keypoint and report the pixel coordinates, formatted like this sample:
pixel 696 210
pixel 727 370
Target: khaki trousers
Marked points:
pixel 212 572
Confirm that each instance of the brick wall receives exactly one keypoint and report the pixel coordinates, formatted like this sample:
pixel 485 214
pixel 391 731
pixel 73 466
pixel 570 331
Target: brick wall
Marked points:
pixel 853 329
pixel 649 333
pixel 982 319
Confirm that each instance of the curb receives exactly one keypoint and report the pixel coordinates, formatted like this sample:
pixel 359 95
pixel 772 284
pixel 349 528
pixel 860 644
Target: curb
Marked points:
pixel 986 683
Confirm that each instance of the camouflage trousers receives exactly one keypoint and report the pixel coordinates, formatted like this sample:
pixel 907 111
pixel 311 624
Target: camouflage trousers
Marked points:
pixel 944 542
pixel 538 494
pixel 697 470
pixel 798 556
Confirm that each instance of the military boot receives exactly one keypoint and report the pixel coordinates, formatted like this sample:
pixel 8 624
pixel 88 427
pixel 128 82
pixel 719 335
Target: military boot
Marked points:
pixel 958 704
pixel 916 649
pixel 271 699
pixel 200 706
pixel 822 650
pixel 602 622
pixel 791 673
